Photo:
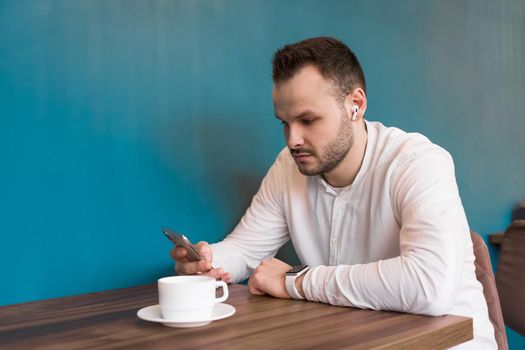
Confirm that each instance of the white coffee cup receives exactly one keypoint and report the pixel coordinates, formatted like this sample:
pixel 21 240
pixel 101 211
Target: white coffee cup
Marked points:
pixel 189 298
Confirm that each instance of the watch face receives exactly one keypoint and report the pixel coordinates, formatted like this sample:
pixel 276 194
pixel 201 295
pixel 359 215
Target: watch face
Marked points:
pixel 297 269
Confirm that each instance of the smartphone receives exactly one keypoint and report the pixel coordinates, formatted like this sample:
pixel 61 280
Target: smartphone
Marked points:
pixel 181 241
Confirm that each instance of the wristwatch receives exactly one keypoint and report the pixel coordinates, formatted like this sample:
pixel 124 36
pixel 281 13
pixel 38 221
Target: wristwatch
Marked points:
pixel 290 277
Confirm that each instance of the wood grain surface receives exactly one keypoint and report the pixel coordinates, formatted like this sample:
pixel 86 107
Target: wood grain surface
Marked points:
pixel 108 320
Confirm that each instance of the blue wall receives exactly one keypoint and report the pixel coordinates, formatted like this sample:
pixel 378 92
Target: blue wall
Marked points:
pixel 119 117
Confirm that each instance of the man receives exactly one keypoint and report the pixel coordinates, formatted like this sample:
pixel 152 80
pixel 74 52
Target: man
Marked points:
pixel 374 211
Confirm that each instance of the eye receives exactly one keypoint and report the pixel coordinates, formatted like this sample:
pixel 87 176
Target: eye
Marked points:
pixel 307 121
pixel 284 124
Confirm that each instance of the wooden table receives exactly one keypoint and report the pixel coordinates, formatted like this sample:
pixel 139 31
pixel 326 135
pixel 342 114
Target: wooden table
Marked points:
pixel 108 320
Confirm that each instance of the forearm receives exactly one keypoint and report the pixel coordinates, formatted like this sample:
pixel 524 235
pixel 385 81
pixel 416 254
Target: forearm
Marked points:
pixel 394 284
pixel 227 257
pixel 243 250
pixel 424 278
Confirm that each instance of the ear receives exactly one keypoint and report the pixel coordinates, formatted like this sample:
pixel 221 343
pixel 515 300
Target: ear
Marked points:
pixel 356 98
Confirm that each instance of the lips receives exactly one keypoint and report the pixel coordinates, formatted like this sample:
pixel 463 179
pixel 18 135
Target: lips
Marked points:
pixel 298 155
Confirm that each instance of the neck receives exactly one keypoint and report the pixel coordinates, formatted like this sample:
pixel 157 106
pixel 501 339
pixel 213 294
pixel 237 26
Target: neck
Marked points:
pixel 345 172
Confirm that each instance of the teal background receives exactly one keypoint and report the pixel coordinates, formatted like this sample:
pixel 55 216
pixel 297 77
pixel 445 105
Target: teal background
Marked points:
pixel 119 117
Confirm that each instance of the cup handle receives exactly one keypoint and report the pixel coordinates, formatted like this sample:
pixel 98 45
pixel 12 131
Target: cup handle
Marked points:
pixel 224 286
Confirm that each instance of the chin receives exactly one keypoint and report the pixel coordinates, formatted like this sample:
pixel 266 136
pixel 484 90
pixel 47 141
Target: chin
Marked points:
pixel 308 171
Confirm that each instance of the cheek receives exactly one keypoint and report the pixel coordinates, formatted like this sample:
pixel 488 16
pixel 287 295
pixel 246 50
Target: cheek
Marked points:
pixel 330 132
pixel 318 137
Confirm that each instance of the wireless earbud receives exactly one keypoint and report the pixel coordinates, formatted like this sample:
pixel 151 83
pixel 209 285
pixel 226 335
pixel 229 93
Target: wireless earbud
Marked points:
pixel 354 112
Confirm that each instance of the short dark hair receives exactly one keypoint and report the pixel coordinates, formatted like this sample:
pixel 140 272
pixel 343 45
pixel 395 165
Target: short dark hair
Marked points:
pixel 333 59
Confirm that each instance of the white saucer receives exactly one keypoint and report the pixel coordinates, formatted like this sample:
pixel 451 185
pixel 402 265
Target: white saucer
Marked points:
pixel 152 314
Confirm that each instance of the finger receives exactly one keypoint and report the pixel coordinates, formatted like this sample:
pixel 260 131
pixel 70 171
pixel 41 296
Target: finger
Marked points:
pixel 215 273
pixel 178 253
pixel 252 287
pixel 227 277
pixel 219 274
pixel 255 290
pixel 204 265
pixel 205 250
pixel 190 268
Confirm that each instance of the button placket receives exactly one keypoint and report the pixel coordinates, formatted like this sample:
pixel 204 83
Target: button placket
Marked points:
pixel 335 230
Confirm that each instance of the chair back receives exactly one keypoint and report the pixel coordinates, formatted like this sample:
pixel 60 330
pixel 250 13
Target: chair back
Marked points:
pixel 485 276
pixel 510 277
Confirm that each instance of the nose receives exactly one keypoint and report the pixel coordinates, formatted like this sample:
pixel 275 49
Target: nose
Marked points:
pixel 293 136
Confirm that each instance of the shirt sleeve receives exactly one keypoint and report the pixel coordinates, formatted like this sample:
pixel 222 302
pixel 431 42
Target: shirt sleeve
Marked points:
pixel 261 231
pixel 425 278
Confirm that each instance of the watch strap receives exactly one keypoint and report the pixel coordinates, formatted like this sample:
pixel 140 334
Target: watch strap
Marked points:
pixel 290 284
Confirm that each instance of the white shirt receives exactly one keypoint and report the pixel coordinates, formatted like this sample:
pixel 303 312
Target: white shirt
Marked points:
pixel 396 239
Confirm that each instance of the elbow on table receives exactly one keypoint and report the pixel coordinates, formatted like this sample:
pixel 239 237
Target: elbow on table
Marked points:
pixel 438 304
pixel 435 292
pixel 437 308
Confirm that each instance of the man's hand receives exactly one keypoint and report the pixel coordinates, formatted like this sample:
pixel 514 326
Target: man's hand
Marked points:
pixel 204 267
pixel 268 278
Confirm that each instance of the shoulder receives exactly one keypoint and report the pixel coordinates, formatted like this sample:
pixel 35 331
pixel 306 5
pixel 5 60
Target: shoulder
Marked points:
pixel 395 147
pixel 284 156
pixel 419 174
pixel 285 163
pixel 284 169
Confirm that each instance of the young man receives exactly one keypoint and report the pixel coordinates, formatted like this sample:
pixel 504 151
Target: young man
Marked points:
pixel 375 212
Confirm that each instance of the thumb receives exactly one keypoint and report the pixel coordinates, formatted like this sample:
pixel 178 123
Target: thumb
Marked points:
pixel 205 250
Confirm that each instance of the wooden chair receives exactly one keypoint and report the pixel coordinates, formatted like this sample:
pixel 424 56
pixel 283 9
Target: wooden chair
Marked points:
pixel 510 277
pixel 485 275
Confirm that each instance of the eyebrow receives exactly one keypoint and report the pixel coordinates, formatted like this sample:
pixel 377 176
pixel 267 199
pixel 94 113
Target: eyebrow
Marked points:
pixel 307 113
